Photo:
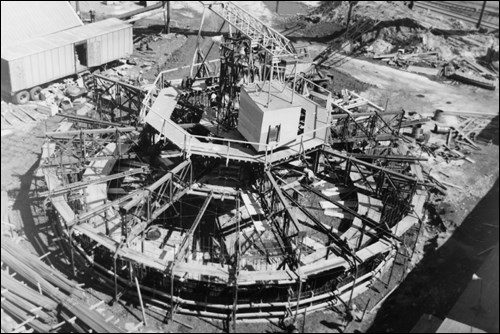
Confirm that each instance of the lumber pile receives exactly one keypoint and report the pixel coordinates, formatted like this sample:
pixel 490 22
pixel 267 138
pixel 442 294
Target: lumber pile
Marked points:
pixel 419 62
pixel 429 63
pixel 38 296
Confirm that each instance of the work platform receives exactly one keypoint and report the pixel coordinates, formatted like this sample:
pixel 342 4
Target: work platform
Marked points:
pixel 159 117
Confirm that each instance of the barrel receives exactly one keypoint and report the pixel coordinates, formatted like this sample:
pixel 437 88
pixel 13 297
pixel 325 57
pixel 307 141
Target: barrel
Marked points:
pixel 418 132
pixel 441 129
pixel 438 115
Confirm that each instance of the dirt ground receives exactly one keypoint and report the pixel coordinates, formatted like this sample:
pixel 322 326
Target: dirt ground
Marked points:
pixel 415 92
pixel 446 257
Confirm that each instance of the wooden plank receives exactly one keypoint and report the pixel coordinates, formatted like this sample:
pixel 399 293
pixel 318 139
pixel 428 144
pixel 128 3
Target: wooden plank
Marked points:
pixel 423 70
pixel 28 112
pixel 11 119
pixel 186 241
pixel 5 207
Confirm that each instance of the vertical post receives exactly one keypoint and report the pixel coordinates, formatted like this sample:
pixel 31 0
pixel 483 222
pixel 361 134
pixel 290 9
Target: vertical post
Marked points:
pixel 140 300
pixel 114 273
pixel 277 6
pixel 347 170
pixel 197 42
pixel 360 241
pixel 392 270
pixel 172 288
pixel 478 25
pixel 353 285
pixel 294 81
pixel 316 161
pixel 351 4
pixel 72 251
pixel 168 17
pixel 416 240
pixel 300 287
pixel 264 70
pixel 237 264
pixel 270 80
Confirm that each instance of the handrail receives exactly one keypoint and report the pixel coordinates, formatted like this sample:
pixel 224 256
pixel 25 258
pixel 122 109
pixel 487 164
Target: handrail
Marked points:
pixel 160 77
pixel 227 139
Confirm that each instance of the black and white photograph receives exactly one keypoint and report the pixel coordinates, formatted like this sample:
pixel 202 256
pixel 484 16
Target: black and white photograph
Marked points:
pixel 250 167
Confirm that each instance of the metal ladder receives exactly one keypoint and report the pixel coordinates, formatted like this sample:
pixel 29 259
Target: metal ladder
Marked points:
pixel 271 40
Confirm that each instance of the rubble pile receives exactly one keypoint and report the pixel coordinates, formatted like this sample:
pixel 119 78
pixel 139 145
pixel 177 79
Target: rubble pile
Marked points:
pixel 415 40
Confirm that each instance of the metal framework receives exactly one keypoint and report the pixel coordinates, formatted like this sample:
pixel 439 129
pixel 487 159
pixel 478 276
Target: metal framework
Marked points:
pixel 148 204
pixel 83 184
pixel 79 147
pixel 284 221
pixel 116 96
pixel 370 126
pixel 270 40
pixel 188 237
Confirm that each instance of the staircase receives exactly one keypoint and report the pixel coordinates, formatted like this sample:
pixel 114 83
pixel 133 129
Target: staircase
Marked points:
pixel 253 28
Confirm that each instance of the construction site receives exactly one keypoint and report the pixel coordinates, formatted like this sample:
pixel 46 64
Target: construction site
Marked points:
pixel 250 166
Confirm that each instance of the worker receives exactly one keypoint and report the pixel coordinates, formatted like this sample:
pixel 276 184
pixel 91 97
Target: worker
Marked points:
pixel 213 100
pixel 92 15
pixel 308 176
pixel 206 258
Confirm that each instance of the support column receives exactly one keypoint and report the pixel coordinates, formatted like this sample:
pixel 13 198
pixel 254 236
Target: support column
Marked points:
pixel 197 42
pixel 140 300
pixel 237 262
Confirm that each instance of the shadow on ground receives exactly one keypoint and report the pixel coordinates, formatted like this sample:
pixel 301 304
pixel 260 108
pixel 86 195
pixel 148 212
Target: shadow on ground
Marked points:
pixel 435 284
pixel 490 132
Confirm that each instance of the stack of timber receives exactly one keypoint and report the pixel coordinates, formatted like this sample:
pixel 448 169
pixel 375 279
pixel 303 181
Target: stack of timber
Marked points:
pixel 46 295
pixel 472 79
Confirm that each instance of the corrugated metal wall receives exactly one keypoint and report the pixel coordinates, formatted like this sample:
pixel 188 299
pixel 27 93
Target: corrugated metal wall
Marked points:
pixel 42 67
pixel 108 47
pixel 46 66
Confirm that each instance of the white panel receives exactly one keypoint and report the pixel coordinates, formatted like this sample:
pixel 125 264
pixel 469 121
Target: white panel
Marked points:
pixel 109 47
pixel 61 54
pixel 44 66
pixel 17 74
pixel 52 61
pixel 116 44
pixel 33 76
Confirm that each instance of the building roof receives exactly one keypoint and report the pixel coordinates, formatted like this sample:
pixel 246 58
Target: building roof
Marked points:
pixel 62 38
pixel 23 20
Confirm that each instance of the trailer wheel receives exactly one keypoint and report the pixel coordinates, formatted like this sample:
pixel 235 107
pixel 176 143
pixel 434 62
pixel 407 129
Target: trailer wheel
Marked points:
pixel 35 93
pixel 21 97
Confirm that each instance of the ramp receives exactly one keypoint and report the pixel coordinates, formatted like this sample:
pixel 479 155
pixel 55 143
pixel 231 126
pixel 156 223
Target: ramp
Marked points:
pixel 162 108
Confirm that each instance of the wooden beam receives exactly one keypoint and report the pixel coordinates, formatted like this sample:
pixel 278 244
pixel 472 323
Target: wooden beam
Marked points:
pixel 368 221
pixel 185 242
pixel 91 131
pixel 336 239
pixel 367 164
pixel 387 157
pixel 281 197
pixel 100 209
pixel 147 191
pixel 82 184
pixel 140 300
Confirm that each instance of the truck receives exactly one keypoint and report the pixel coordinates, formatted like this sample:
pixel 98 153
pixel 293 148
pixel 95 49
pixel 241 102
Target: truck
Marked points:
pixel 30 65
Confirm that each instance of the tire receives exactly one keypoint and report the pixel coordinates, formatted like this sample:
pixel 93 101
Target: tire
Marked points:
pixel 21 97
pixel 35 93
